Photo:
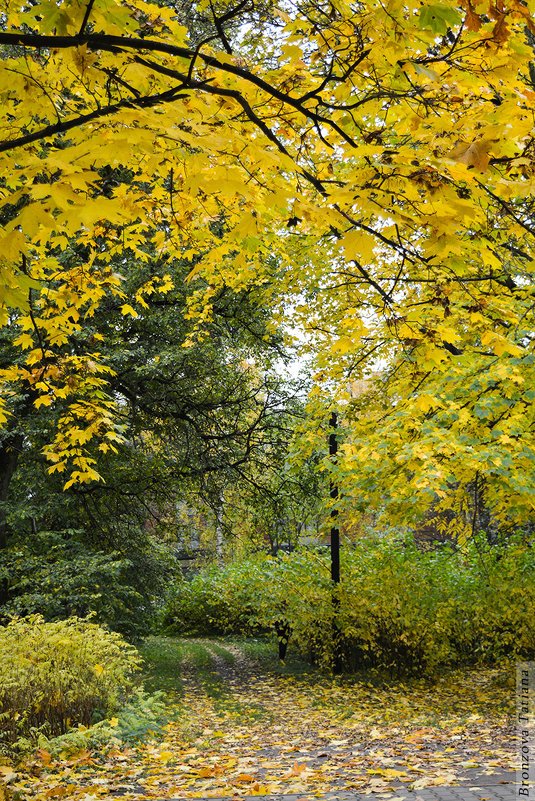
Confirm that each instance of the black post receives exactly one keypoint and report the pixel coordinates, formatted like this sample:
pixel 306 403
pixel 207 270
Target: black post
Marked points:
pixel 335 550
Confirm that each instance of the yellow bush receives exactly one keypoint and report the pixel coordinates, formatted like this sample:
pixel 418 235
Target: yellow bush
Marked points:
pixel 60 674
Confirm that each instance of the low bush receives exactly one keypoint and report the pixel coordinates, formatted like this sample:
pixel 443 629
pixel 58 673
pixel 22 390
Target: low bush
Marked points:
pixel 218 600
pixel 143 715
pixel 58 675
pixel 408 611
pixel 397 608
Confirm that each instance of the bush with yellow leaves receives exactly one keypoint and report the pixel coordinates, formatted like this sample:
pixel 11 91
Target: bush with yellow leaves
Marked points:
pixel 59 674
pixel 396 609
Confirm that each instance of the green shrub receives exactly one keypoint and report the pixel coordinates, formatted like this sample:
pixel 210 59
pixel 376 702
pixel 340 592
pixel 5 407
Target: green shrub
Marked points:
pixel 407 611
pixel 493 615
pixel 398 608
pixel 56 575
pixel 218 600
pixel 143 715
pixel 61 674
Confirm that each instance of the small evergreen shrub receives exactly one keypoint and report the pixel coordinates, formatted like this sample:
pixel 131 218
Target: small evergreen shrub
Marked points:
pixel 58 675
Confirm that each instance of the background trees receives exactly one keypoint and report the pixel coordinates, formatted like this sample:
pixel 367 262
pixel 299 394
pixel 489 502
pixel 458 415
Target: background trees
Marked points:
pixel 196 421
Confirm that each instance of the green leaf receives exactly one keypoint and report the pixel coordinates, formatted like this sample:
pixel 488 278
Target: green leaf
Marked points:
pixel 438 18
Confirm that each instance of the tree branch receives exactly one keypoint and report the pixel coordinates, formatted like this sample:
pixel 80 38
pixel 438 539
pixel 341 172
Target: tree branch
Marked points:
pixel 75 122
pixel 98 41
pixel 88 10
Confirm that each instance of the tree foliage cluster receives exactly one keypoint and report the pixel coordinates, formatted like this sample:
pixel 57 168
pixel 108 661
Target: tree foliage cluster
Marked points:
pixel 398 608
pixel 57 575
pixel 219 599
pixel 194 421
pixel 365 170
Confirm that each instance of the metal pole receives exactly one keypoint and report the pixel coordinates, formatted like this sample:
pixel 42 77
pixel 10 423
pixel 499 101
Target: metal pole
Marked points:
pixel 335 532
pixel 335 550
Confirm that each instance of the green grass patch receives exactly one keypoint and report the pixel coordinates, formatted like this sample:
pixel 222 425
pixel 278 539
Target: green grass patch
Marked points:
pixel 165 658
pixel 201 656
pixel 162 657
pixel 226 655
pixel 197 656
pixel 262 650
pixel 265 652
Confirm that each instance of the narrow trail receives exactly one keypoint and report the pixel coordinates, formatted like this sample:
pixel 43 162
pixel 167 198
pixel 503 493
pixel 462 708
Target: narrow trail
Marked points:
pixel 239 730
pixel 310 738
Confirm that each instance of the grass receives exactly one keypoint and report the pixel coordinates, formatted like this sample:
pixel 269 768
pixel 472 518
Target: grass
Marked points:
pixel 264 651
pixel 226 655
pixel 197 655
pixel 167 657
pixel 163 658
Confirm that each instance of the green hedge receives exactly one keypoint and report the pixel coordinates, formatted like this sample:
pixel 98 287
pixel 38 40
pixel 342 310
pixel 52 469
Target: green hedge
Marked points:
pixel 399 608
pixel 218 600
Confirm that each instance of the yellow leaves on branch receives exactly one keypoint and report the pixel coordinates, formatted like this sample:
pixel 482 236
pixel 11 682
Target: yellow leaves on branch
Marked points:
pixel 85 420
pixel 83 60
pixel 474 155
pixel 359 191
pixel 500 344
pixel 127 309
pixel 358 245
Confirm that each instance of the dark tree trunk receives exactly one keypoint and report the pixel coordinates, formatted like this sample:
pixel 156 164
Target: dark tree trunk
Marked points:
pixel 9 455
pixel 283 629
pixel 335 553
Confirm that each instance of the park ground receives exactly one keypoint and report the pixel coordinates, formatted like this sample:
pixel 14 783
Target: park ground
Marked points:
pixel 239 723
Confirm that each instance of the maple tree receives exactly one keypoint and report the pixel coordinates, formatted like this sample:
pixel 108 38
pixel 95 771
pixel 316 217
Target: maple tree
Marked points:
pixel 367 167
pixel 192 419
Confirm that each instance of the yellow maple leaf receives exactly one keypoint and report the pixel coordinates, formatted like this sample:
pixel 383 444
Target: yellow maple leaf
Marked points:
pixel 343 345
pixel 127 309
pixel 82 59
pixel 358 245
pixel 475 154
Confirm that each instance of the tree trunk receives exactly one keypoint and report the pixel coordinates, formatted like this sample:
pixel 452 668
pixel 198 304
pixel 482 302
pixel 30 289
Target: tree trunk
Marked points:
pixel 335 553
pixel 193 530
pixel 219 529
pixel 9 455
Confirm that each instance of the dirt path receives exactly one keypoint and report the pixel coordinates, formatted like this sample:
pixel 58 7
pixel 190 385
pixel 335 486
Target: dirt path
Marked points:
pixel 287 734
pixel 243 731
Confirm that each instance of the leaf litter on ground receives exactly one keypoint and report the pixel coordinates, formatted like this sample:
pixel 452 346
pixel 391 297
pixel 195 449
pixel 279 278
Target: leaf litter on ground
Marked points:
pixel 237 728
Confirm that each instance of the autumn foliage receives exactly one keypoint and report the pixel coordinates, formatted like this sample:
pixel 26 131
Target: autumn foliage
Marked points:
pixel 399 609
pixel 368 167
pixel 59 674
